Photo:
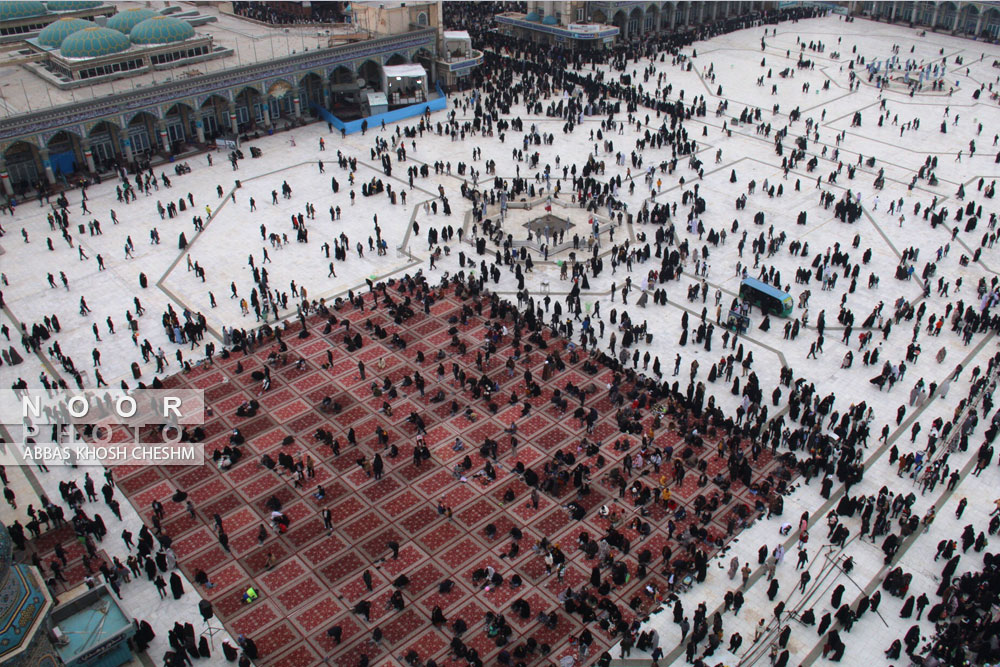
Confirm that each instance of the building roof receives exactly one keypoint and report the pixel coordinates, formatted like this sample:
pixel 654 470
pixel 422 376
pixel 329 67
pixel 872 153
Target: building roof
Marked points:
pixel 161 30
pixel 54 33
pixel 129 18
pixel 22 602
pixel 246 42
pixel 93 43
pixel 409 71
pixel 19 9
pixel 71 5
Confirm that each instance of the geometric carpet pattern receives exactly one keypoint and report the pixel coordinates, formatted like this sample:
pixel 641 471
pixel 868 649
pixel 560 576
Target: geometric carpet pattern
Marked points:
pixel 74 571
pixel 316 578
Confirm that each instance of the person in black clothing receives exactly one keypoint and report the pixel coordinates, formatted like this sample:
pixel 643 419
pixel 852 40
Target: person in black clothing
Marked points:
pixel 176 586
pixel 248 645
pixel 161 586
pixel 824 623
pixel 363 608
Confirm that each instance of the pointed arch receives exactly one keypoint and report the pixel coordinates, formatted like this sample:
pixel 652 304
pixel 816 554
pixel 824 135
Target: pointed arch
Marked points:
pixel 141 133
pixel 666 14
pixel 371 72
pixel 311 91
pixel 947 16
pixel 248 108
pixel 620 20
pixel 425 59
pixel 651 20
pixel 967 19
pixel 24 165
pixel 105 143
pixel 681 11
pixel 991 23
pixel 179 119
pixel 341 75
pixel 65 153
pixel 343 91
pixel 214 115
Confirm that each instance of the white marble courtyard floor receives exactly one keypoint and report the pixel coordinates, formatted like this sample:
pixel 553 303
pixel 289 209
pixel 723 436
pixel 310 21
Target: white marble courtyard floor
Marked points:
pixel 233 233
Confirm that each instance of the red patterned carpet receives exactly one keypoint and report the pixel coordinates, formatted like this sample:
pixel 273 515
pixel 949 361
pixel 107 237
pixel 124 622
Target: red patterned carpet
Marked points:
pixel 74 572
pixel 317 578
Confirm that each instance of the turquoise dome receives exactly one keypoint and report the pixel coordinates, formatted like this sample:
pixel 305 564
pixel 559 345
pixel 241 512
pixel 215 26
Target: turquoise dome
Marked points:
pixel 72 5
pixel 93 43
pixel 550 20
pixel 533 16
pixel 161 30
pixel 20 9
pixel 125 20
pixel 22 603
pixel 54 33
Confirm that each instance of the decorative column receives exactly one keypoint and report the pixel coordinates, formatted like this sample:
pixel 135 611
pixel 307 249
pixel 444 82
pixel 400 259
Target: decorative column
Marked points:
pixel 233 125
pixel 127 146
pixel 913 13
pixel 8 187
pixel 266 109
pixel 979 23
pixel 88 156
pixel 47 165
pixel 199 130
pixel 164 137
pixel 298 106
pixel 934 18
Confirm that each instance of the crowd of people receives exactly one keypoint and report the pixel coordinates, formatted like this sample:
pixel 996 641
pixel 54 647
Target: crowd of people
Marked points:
pixel 291 13
pixel 810 434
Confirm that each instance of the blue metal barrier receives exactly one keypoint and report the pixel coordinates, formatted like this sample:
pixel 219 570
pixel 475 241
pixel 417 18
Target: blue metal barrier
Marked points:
pixel 352 126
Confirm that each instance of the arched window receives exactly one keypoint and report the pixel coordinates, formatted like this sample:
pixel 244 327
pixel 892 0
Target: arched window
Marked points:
pixel 422 18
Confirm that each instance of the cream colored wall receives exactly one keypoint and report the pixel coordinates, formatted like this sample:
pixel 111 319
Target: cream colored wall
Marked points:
pixel 395 20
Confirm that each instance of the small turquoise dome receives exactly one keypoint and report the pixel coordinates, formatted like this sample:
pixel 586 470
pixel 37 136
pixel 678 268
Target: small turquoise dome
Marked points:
pixel 550 20
pixel 20 9
pixel 22 603
pixel 161 30
pixel 54 33
pixel 93 43
pixel 72 5
pixel 534 17
pixel 125 20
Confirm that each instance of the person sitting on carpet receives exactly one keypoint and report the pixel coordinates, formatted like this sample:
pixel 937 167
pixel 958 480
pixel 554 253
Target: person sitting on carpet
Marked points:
pixel 248 409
